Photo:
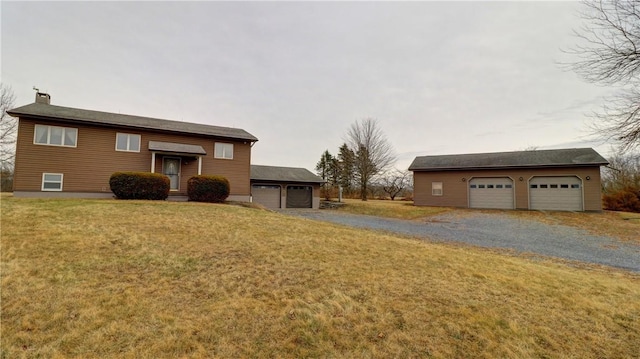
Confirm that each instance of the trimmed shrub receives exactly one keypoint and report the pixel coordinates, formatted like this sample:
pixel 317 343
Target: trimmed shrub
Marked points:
pixel 140 185
pixel 208 189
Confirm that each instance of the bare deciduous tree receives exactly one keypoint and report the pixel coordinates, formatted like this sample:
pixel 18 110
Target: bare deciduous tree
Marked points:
pixel 373 153
pixel 394 182
pixel 609 54
pixel 8 131
pixel 622 172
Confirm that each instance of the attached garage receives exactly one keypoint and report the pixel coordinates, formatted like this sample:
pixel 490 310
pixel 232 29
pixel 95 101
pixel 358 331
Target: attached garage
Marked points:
pixel 266 195
pixel 555 193
pixel 299 197
pixel 285 187
pixel 494 192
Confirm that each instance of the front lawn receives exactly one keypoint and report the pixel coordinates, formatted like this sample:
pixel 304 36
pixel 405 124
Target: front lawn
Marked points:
pixel 138 279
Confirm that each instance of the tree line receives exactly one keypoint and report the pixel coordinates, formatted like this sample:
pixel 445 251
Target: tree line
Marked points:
pixel 364 163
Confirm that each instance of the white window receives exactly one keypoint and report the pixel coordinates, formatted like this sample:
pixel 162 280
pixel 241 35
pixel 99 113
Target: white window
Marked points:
pixel 127 142
pixel 436 188
pixel 223 150
pixel 52 181
pixel 55 136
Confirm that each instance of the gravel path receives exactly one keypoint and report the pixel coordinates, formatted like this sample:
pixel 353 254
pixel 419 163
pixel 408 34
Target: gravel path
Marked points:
pixel 499 231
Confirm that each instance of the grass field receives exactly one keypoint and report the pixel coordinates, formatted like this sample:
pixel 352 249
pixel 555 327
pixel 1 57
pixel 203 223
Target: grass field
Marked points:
pixel 136 279
pixel 622 225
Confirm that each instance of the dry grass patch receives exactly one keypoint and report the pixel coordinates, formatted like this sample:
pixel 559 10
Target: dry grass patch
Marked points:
pixel 391 209
pixel 136 279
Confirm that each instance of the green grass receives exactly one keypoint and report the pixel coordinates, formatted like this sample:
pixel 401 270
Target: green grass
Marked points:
pixel 136 279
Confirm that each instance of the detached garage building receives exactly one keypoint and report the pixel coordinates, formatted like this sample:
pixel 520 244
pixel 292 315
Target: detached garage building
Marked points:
pixel 565 180
pixel 285 187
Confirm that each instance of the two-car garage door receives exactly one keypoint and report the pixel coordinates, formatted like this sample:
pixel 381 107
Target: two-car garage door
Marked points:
pixel 270 196
pixel 495 192
pixel 555 193
pixel 562 193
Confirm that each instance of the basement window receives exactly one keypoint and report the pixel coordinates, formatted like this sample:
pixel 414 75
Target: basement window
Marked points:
pixel 52 181
pixel 436 188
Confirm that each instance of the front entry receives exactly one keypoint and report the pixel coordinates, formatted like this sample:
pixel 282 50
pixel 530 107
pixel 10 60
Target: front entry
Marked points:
pixel 171 169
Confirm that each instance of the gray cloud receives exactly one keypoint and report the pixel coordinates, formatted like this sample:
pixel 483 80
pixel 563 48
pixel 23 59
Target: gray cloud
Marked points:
pixel 441 77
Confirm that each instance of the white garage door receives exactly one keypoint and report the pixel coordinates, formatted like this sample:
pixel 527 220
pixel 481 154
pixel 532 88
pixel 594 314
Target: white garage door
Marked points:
pixel 555 193
pixel 268 196
pixel 491 193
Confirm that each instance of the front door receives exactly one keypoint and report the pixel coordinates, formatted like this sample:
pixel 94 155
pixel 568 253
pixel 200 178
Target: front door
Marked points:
pixel 171 169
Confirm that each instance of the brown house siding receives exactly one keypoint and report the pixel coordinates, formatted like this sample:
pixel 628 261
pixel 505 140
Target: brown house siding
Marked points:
pixel 87 167
pixel 455 190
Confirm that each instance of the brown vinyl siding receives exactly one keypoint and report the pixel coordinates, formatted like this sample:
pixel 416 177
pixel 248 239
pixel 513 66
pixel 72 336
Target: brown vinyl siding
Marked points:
pixel 455 191
pixel 88 166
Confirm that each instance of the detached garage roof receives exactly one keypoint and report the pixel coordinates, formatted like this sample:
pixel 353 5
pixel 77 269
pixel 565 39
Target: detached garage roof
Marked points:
pixel 46 111
pixel 286 174
pixel 520 159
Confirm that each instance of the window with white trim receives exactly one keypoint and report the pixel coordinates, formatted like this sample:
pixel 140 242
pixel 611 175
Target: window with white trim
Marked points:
pixel 52 181
pixel 223 150
pixel 55 136
pixel 127 142
pixel 436 188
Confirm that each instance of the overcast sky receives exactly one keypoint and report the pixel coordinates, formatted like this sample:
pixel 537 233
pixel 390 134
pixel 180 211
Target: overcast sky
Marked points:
pixel 441 77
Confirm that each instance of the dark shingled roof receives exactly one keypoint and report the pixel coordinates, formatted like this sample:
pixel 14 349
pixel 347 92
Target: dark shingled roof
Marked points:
pixel 288 174
pixel 520 159
pixel 45 111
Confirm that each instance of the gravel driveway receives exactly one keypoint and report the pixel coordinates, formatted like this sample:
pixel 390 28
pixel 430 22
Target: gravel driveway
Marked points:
pixel 498 231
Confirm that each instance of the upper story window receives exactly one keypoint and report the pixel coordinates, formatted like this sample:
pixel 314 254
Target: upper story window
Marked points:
pixel 127 142
pixel 223 150
pixel 55 136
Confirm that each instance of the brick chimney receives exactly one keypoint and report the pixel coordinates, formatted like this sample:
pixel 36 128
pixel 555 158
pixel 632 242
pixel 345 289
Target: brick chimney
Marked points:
pixel 42 97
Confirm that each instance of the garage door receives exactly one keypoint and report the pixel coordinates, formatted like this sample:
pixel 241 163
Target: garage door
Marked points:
pixel 299 196
pixel 268 196
pixel 555 193
pixel 491 193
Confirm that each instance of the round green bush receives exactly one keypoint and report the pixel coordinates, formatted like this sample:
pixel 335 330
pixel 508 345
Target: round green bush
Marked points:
pixel 140 185
pixel 208 189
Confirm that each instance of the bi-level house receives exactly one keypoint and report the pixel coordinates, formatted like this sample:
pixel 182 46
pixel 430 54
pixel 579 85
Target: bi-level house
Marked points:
pixel 70 152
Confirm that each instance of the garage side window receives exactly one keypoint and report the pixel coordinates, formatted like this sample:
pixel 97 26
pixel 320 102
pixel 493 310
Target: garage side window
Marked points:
pixel 436 188
pixel 52 181
pixel 223 150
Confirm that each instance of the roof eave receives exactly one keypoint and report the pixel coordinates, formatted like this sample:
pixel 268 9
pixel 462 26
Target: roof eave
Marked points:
pixel 112 125
pixel 478 168
pixel 286 180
